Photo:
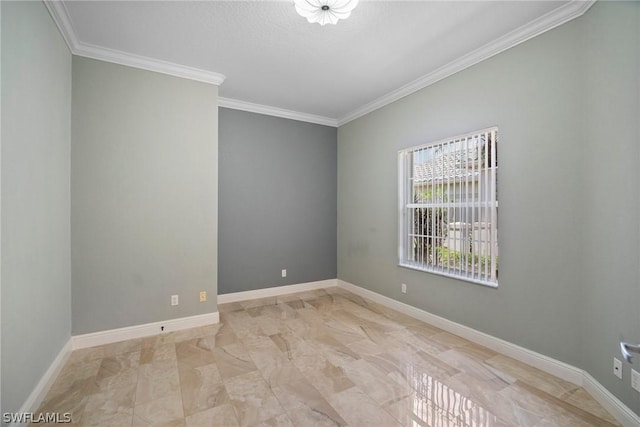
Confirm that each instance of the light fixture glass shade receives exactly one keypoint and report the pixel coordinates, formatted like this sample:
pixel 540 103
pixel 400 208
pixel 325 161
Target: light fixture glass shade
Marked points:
pixel 325 11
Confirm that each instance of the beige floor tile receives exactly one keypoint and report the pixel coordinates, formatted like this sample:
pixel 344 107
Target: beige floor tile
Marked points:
pixel 165 411
pixel 359 410
pixel 380 387
pixel 116 419
pixel 490 376
pixel 498 404
pixel 278 421
pixel 223 336
pixel 292 345
pixel 195 352
pixel 156 380
pixel 581 399
pixel 193 333
pixel 315 358
pixel 158 353
pixel 552 407
pixel 326 377
pixel 202 388
pixel 532 376
pixel 72 399
pixel 233 359
pixel 259 302
pixel 219 416
pixel 304 404
pixel 110 407
pixel 117 372
pixel 252 399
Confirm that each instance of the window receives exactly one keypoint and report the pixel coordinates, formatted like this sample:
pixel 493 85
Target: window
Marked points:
pixel 448 202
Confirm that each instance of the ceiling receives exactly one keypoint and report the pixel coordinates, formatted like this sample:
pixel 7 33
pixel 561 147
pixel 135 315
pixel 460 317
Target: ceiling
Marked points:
pixel 272 57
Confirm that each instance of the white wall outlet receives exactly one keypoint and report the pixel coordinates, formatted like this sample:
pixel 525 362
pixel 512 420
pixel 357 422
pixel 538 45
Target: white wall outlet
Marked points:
pixel 284 272
pixel 203 296
pixel 404 288
pixel 635 380
pixel 617 368
pixel 174 299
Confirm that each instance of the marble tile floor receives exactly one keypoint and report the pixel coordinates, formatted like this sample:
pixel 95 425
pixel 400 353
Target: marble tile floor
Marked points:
pixel 317 358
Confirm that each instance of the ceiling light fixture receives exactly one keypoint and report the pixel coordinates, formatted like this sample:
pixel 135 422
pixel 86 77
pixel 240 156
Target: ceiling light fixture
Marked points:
pixel 325 11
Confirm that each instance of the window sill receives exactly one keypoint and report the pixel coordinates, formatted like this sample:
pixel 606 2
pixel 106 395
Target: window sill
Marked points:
pixel 451 276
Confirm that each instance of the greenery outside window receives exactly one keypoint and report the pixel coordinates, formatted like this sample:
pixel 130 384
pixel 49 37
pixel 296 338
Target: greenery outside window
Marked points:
pixel 448 202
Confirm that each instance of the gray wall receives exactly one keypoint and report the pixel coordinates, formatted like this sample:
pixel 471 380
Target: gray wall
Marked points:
pixel 36 111
pixel 612 182
pixel 277 201
pixel 556 266
pixel 144 199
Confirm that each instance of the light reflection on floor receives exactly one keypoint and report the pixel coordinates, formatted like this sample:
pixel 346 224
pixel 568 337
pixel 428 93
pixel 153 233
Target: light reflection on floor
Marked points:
pixel 315 358
pixel 438 405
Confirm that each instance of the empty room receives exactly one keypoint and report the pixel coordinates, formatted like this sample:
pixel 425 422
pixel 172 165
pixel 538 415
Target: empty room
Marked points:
pixel 320 213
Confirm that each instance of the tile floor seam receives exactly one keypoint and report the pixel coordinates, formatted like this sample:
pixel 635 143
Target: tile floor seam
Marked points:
pixel 324 332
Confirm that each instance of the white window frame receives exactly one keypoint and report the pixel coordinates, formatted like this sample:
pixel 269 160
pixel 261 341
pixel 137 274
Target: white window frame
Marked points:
pixel 461 176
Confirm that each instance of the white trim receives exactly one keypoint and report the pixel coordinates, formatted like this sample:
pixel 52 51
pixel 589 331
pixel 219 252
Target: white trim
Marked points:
pixel 149 64
pixel 564 13
pixel 276 291
pixel 141 331
pixel 567 372
pixel 38 394
pixel 236 104
pixel 61 17
pixel 556 17
pixel 560 369
pixel 612 404
pixel 537 360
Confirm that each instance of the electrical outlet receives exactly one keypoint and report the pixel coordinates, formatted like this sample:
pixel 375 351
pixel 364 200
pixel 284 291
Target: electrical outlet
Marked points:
pixel 174 299
pixel 404 288
pixel 617 368
pixel 284 272
pixel 203 296
pixel 635 380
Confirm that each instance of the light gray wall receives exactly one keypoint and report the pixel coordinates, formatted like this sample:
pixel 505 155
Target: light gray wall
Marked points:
pixel 36 111
pixel 144 198
pixel 558 261
pixel 612 182
pixel 277 201
pixel 530 93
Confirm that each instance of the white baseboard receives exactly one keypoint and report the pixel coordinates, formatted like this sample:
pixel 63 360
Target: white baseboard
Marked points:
pixel 567 372
pixel 141 331
pixel 275 291
pixel 555 367
pixel 537 360
pixel 619 410
pixel 38 394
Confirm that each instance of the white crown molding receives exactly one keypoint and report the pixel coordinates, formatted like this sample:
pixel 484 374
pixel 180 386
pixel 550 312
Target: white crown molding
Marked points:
pixel 149 64
pixel 567 372
pixel 553 19
pixel 557 17
pixel 61 17
pixel 275 291
pixel 275 111
pixel 140 331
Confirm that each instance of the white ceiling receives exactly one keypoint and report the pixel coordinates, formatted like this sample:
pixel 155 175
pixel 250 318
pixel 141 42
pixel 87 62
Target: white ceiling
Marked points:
pixel 272 56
